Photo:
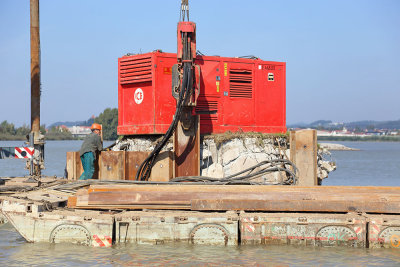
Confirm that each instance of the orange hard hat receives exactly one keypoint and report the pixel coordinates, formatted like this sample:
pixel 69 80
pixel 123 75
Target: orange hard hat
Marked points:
pixel 95 126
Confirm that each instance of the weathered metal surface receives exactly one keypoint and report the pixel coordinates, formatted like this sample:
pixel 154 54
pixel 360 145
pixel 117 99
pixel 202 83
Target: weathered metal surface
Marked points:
pixel 384 231
pixel 35 66
pixel 112 165
pixel 36 224
pixel 132 163
pixel 162 170
pixel 294 205
pixel 36 139
pixel 178 226
pixel 121 165
pixel 187 146
pixel 303 229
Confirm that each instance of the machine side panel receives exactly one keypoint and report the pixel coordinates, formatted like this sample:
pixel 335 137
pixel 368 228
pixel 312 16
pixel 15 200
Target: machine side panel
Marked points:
pixel 136 95
pixel 235 94
pixel 270 95
pixel 239 95
pixel 165 104
pixel 209 104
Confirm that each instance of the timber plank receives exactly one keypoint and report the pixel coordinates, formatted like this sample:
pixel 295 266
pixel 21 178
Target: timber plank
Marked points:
pixel 305 205
pixel 130 197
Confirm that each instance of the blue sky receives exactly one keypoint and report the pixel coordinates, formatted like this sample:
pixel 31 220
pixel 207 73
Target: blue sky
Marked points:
pixel 343 57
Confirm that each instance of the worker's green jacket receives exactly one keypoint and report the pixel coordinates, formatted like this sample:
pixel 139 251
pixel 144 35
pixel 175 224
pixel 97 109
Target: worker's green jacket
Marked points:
pixel 92 143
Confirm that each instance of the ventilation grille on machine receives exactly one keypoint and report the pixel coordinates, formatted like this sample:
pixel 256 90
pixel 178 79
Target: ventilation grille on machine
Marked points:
pixel 240 83
pixel 207 109
pixel 135 70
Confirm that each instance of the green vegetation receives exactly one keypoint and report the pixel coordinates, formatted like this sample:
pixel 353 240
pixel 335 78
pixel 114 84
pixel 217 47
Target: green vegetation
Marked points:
pixel 9 132
pixel 373 138
pixel 109 119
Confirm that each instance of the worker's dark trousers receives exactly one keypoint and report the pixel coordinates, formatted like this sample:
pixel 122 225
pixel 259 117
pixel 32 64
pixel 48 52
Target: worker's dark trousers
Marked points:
pixel 87 160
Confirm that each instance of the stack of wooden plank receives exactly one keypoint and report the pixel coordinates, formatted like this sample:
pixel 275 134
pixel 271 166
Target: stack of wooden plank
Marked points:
pixel 239 197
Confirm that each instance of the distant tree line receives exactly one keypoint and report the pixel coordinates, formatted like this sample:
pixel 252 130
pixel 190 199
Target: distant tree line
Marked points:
pixel 372 138
pixel 8 131
pixel 108 118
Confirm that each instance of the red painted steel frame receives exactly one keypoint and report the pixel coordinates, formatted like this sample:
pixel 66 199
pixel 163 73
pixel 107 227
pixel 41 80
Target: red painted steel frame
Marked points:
pixel 240 94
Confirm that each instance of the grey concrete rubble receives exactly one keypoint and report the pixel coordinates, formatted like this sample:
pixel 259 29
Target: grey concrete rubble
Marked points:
pixel 221 158
pixel 325 164
pixel 139 144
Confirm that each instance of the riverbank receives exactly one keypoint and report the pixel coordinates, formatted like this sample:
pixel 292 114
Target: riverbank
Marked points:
pixel 9 137
pixel 374 138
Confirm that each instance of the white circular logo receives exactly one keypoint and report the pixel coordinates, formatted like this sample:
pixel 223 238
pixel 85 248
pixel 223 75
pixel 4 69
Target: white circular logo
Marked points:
pixel 138 96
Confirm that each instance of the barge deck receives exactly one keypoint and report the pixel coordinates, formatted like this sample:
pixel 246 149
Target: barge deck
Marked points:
pixel 101 213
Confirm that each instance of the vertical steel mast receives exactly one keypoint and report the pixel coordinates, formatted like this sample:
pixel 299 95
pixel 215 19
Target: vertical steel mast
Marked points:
pixel 36 139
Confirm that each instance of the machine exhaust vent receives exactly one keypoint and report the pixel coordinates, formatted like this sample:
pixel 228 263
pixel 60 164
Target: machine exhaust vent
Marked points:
pixel 207 110
pixel 240 83
pixel 135 70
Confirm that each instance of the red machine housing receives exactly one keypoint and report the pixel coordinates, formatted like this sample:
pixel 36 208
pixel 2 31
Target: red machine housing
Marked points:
pixel 236 94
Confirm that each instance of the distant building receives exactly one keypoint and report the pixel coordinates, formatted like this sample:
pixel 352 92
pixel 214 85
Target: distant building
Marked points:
pixel 79 131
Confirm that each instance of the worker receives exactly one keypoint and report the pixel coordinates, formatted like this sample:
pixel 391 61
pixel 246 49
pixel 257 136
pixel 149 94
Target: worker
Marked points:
pixel 91 145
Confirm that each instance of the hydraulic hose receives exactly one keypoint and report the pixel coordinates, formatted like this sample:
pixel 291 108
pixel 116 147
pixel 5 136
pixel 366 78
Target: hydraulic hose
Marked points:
pixel 144 171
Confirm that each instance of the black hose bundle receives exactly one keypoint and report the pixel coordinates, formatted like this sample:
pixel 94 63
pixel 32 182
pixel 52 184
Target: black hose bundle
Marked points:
pixel 265 167
pixel 144 170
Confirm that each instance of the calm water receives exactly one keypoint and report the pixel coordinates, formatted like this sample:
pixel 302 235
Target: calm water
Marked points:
pixel 375 164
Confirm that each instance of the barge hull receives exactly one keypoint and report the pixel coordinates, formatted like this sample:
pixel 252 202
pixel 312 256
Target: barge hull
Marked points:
pixel 101 228
pixel 35 224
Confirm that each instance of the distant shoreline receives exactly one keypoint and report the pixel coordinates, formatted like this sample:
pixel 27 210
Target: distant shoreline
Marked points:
pixel 360 138
pixel 23 138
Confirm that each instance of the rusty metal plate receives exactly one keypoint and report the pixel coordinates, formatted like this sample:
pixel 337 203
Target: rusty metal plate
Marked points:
pixel 187 149
pixel 133 159
pixel 112 165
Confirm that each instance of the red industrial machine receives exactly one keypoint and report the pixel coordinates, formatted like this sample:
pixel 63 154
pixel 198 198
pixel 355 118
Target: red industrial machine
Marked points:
pixel 236 94
pixel 183 95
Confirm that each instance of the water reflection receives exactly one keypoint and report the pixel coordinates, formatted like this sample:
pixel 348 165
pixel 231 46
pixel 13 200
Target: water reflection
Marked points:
pixel 14 251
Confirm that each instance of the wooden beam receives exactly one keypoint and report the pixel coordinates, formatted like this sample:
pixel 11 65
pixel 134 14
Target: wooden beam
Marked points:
pixel 303 153
pixel 296 206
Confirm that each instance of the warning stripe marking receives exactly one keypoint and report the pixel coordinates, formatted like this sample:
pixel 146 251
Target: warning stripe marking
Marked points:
pixel 250 227
pixel 97 241
pixel 24 152
pixel 376 228
pixel 102 241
